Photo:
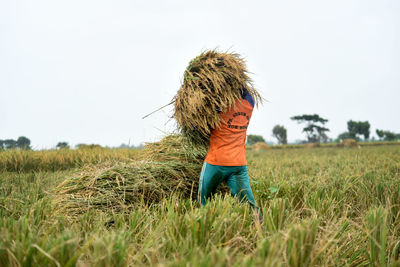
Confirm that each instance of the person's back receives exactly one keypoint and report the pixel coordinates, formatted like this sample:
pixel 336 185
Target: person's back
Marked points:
pixel 226 157
pixel 228 142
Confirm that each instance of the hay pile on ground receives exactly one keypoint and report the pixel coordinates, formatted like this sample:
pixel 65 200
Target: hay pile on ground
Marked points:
pixel 350 143
pixel 171 165
pixel 313 145
pixel 212 83
pixel 260 147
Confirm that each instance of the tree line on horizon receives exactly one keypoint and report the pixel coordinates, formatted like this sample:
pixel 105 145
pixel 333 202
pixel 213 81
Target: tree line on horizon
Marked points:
pixel 316 131
pixel 24 143
pixel 21 143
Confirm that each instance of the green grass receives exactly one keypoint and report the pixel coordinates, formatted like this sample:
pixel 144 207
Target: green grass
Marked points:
pixel 322 207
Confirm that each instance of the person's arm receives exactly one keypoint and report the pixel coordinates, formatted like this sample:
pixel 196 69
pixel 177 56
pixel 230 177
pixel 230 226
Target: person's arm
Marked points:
pixel 246 95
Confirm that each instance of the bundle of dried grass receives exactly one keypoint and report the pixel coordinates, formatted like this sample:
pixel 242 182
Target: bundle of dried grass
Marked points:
pixel 350 142
pixel 312 145
pixel 212 83
pixel 168 166
pixel 174 147
pixel 260 147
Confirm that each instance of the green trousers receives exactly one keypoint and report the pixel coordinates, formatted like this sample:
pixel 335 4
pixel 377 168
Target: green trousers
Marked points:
pixel 236 177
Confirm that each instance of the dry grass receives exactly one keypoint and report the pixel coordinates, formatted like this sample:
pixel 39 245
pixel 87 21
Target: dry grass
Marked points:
pixel 212 82
pixel 312 145
pixel 54 160
pixel 260 147
pixel 169 166
pixel 350 143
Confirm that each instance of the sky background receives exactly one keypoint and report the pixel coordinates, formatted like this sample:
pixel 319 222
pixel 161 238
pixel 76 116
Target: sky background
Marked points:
pixel 87 71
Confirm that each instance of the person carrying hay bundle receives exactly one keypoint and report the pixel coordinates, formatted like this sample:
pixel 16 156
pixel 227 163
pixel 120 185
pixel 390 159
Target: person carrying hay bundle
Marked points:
pixel 213 107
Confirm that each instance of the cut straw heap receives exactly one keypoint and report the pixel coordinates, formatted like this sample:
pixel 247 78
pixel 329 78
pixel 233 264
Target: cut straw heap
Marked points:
pixel 212 83
pixel 171 165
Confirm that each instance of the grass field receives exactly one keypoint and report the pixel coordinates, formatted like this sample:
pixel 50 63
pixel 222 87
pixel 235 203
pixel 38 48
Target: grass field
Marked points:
pixel 321 206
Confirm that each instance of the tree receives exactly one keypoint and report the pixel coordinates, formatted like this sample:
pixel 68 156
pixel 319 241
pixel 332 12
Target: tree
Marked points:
pixel 252 139
pixel 314 127
pixel 357 128
pixel 62 145
pixel 23 142
pixel 390 136
pixel 280 133
pixel 387 135
pixel 365 129
pixel 380 134
pixel 10 143
pixel 1 144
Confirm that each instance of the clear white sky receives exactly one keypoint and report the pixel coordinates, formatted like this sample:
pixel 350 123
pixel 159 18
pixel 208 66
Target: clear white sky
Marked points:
pixel 87 71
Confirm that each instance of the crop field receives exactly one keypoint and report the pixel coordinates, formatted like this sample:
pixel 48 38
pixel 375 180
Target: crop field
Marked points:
pixel 321 207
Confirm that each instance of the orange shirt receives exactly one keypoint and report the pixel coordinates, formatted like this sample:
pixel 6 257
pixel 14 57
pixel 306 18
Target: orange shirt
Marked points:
pixel 228 142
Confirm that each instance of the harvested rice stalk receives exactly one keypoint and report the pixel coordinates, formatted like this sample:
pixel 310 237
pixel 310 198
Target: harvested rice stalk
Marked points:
pixel 175 147
pixel 127 184
pixel 212 83
pixel 171 165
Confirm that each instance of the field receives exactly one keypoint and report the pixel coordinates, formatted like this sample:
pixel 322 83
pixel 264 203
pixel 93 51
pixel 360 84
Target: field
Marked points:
pixel 321 206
